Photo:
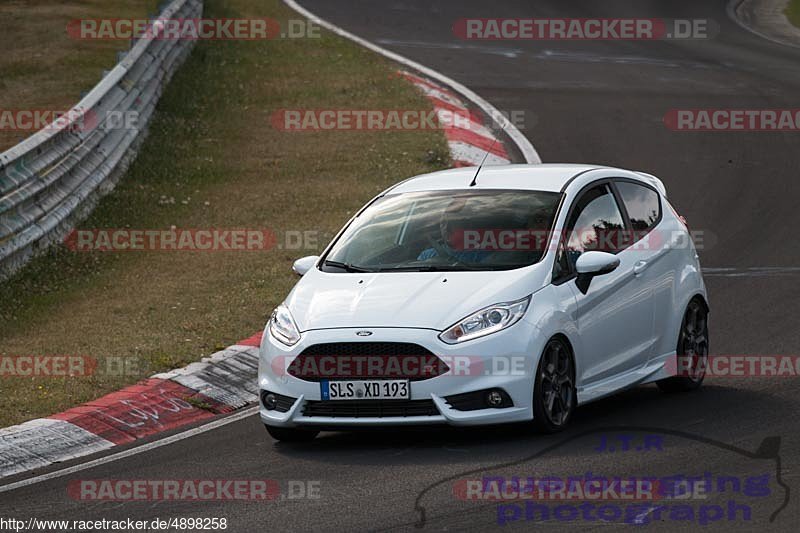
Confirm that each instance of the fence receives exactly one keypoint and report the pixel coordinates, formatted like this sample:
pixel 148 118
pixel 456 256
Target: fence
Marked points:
pixel 53 179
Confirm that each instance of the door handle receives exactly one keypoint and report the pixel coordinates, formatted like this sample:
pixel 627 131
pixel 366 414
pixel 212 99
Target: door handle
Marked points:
pixel 639 267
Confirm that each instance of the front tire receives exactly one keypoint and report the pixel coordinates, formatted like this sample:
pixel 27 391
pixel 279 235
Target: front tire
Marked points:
pixel 554 392
pixel 692 351
pixel 291 434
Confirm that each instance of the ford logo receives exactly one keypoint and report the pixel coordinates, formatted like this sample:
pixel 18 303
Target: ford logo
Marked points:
pixel 363 333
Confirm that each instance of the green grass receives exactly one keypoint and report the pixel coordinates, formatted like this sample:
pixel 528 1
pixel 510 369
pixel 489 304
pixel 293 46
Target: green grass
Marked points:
pixel 212 146
pixel 41 66
pixel 793 12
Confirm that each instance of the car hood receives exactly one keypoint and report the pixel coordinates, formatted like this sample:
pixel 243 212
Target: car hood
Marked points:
pixel 432 300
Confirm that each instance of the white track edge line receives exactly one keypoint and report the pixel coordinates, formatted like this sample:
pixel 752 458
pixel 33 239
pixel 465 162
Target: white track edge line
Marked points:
pixel 731 8
pixel 214 424
pixel 523 144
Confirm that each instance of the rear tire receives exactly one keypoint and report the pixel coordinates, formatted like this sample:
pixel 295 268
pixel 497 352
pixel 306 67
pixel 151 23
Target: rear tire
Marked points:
pixel 291 434
pixel 692 351
pixel 554 393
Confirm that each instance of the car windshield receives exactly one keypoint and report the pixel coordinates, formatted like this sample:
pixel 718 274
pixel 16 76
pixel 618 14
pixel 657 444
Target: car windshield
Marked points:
pixel 447 231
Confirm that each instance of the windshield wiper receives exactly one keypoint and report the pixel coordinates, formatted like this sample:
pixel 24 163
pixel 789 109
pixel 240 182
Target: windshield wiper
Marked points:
pixel 347 267
pixel 428 268
pixel 450 268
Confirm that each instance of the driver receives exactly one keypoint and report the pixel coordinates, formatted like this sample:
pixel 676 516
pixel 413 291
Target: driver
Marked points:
pixel 450 223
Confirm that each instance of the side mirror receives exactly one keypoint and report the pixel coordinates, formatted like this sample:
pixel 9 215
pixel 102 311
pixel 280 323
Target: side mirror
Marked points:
pixel 304 264
pixel 591 264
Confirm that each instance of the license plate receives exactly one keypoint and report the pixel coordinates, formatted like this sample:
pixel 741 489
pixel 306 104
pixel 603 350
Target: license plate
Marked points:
pixel 374 389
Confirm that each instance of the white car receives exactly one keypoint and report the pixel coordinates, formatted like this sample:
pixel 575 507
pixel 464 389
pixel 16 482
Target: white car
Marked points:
pixel 482 296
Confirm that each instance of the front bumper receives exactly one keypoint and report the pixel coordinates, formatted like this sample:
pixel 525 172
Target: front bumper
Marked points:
pixel 502 360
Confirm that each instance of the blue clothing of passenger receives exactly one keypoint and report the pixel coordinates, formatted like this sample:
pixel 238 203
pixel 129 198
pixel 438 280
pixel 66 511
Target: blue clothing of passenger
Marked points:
pixel 463 256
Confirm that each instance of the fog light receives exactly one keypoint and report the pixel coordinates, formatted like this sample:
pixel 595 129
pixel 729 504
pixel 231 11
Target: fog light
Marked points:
pixel 270 401
pixel 494 399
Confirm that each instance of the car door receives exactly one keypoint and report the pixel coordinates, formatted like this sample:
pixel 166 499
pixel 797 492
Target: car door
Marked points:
pixel 614 316
pixel 651 243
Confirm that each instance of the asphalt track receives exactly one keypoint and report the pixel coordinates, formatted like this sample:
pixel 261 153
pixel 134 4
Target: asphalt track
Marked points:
pixel 598 102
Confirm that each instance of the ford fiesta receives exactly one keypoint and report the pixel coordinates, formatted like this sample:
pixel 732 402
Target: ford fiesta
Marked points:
pixel 483 296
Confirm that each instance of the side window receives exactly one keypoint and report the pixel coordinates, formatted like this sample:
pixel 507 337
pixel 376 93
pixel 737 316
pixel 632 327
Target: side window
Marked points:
pixel 642 204
pixel 561 267
pixel 595 224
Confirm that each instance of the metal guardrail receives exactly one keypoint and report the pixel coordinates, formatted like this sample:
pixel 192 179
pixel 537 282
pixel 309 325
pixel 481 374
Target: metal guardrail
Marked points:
pixel 54 178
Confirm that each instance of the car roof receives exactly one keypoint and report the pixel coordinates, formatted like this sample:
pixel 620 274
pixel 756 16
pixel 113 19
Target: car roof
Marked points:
pixel 550 177
pixel 541 177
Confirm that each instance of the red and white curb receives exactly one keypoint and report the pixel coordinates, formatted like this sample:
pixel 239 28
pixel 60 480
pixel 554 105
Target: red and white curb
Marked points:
pixel 526 149
pixel 469 140
pixel 221 383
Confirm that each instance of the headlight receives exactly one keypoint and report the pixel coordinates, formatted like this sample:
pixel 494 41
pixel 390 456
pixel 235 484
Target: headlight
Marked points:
pixel 282 326
pixel 486 321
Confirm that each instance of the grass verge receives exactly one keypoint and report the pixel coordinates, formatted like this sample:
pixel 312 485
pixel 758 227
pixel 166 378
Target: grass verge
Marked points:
pixel 212 160
pixel 793 12
pixel 41 67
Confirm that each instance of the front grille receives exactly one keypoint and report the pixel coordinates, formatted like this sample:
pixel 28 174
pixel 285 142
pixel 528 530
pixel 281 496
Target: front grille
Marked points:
pixel 366 360
pixel 370 408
